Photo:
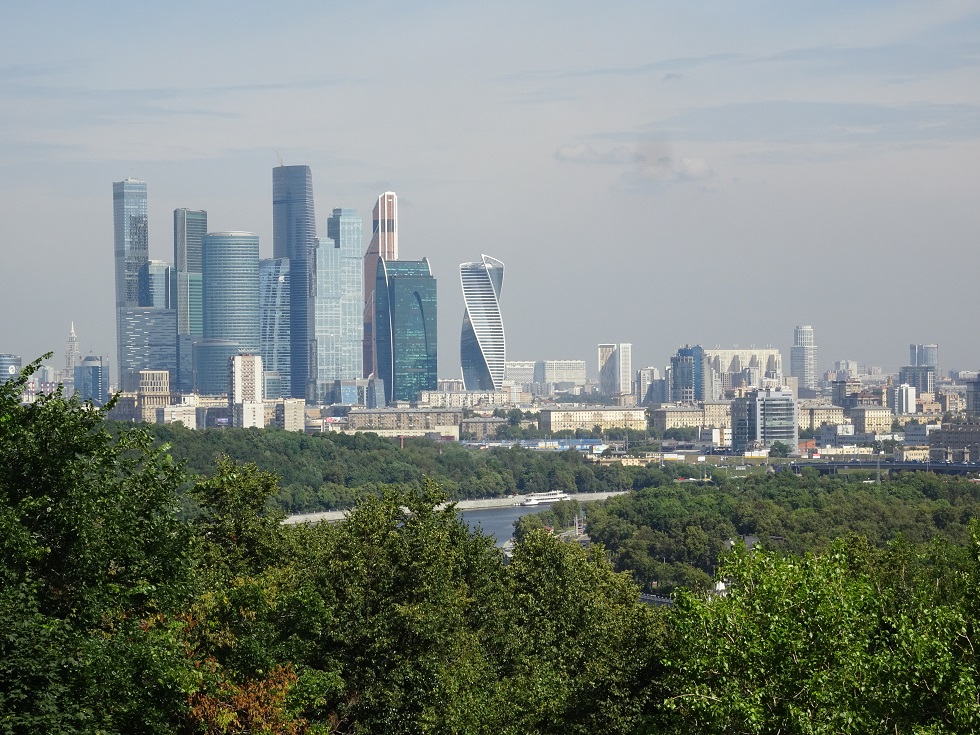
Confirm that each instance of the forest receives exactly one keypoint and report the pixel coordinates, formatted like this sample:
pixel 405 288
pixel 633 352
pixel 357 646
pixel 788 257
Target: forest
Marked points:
pixel 138 596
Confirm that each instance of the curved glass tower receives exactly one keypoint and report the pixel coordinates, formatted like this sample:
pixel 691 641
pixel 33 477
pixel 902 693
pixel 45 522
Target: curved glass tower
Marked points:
pixel 482 352
pixel 230 297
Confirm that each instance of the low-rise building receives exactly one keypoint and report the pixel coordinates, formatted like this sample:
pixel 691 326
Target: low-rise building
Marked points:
pixel 668 416
pixel 406 421
pixel 871 419
pixel 587 418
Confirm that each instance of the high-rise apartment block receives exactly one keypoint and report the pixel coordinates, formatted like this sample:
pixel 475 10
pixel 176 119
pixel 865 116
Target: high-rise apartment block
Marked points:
pixel 336 304
pixel 230 297
pixel 615 369
pixel 803 357
pixel 245 391
pixel 405 322
pixel 293 236
pixel 384 244
pixel 274 325
pixel 482 348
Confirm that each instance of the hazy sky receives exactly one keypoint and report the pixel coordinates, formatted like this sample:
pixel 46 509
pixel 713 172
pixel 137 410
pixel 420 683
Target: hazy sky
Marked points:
pixel 649 172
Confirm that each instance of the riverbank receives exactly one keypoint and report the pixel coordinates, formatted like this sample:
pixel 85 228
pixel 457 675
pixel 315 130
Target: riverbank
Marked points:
pixel 334 516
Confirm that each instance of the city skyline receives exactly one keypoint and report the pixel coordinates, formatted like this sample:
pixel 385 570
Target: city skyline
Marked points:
pixel 747 152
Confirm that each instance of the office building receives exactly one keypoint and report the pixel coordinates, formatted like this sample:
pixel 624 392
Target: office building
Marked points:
pixel 405 322
pixel 148 342
pixel 230 300
pixel 920 377
pixel 482 348
pixel 646 379
pixel 803 357
pixel 190 226
pixel 560 373
pixel 293 236
pixel 615 369
pixel 91 379
pixel 337 305
pixel 924 356
pixel 274 325
pixel 763 417
pixel 10 367
pixel 154 284
pixel 131 251
pixel 384 244
pixel 72 360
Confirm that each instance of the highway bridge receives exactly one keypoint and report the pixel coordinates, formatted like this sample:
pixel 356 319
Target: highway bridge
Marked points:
pixel 833 467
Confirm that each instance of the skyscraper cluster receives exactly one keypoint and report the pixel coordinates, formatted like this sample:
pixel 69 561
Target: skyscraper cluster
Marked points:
pixel 319 313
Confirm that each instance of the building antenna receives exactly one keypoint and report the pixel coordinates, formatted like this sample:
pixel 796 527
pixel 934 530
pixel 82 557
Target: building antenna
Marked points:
pixel 280 159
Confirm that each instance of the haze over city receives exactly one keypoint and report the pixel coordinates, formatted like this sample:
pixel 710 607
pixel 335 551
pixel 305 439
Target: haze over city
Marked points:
pixel 659 175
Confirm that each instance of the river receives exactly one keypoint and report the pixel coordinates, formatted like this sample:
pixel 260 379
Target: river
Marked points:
pixel 498 522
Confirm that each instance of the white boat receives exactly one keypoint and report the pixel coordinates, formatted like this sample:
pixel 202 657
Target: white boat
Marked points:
pixel 552 496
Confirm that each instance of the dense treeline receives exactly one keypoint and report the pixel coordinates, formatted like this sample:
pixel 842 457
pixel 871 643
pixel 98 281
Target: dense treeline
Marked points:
pixel 673 534
pixel 327 471
pixel 118 616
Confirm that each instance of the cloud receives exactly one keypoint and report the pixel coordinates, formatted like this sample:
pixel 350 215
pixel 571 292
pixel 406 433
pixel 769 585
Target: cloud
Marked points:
pixel 584 153
pixel 650 165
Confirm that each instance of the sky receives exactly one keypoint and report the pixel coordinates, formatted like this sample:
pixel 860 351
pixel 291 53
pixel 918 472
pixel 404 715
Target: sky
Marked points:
pixel 650 172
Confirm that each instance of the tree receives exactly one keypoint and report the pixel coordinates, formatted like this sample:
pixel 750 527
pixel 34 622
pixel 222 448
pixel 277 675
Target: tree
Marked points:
pixel 92 554
pixel 778 449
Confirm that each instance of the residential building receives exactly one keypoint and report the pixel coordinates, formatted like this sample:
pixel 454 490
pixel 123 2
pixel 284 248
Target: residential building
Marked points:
pixel 672 416
pixel 274 341
pixel 291 414
pixel 572 418
pixel 464 398
pixel 763 417
pixel 644 382
pixel 812 415
pixel 615 369
pixel 482 347
pixel 383 245
pixel 406 346
pixel 803 357
pixel 520 371
pixel 230 297
pixel 245 399
pixel 336 306
pixel 444 422
pixel 152 393
pixel 293 236
pixel 901 398
pixel 560 373
pixel 871 419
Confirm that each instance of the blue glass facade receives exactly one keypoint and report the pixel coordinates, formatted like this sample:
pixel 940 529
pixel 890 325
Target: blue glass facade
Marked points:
pixel 274 323
pixel 230 297
pixel 130 250
pixel 337 298
pixel 154 282
pixel 293 236
pixel 405 328
pixel 190 227
pixel 482 349
pixel 92 380
pixel 148 342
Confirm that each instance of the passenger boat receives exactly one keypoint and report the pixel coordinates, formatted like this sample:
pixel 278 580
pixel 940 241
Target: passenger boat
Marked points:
pixel 552 496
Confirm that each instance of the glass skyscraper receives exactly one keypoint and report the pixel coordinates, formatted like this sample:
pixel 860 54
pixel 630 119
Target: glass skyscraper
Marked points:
pixel 405 328
pixel 154 282
pixel 336 298
pixel 91 378
pixel 293 235
pixel 274 324
pixel 190 227
pixel 803 357
pixel 130 250
pixel 230 297
pixel 384 244
pixel 482 350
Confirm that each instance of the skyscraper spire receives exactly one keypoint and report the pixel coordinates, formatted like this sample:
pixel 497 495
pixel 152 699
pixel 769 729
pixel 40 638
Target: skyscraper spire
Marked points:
pixel 71 351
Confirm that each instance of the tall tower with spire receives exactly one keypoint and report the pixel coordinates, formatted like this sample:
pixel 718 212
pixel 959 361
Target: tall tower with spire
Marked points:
pixel 72 360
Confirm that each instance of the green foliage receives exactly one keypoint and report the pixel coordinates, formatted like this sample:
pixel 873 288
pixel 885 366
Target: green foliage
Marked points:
pixel 90 548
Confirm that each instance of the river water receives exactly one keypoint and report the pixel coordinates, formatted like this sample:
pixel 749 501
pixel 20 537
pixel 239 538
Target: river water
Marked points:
pixel 498 522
